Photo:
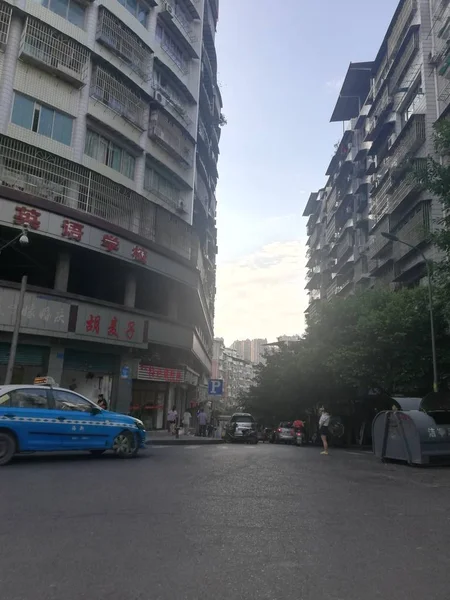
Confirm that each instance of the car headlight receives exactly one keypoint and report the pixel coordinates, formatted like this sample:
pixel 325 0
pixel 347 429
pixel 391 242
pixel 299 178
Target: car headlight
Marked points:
pixel 139 424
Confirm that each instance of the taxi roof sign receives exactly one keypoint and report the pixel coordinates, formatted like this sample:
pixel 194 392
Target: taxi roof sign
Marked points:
pixel 45 381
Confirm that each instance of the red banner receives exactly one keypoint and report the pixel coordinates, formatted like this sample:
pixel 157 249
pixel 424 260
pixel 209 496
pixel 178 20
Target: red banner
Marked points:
pixel 151 373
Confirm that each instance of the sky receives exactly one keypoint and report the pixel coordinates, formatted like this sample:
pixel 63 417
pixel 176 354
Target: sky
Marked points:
pixel 280 67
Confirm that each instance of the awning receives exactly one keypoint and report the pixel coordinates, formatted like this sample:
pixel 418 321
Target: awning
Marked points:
pixel 354 91
pixel 311 205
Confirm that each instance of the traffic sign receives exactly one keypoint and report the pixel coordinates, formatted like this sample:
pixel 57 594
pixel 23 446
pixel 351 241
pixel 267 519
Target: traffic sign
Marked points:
pixel 215 387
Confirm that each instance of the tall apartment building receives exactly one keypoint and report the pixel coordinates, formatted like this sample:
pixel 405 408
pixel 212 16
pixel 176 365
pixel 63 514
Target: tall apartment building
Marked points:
pixel 389 107
pixel 250 350
pixel 109 140
pixel 237 373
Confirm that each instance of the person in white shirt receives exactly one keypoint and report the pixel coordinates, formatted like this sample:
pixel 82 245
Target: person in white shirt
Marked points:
pixel 186 421
pixel 324 422
pixel 172 416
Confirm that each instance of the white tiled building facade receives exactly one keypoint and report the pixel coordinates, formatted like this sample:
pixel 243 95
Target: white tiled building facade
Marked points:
pixel 389 107
pixel 109 119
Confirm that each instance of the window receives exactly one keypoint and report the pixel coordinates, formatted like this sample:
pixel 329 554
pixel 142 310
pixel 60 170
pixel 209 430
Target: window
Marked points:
pixel 47 121
pixel 109 154
pixel 161 186
pixel 415 103
pixel 137 9
pixel 169 45
pixel 67 9
pixel 4 400
pixel 69 401
pixel 29 398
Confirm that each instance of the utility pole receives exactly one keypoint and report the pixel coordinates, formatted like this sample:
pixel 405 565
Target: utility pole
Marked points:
pixel 15 337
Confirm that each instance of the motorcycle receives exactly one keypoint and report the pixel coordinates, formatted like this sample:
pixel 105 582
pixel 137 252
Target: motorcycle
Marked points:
pixel 300 438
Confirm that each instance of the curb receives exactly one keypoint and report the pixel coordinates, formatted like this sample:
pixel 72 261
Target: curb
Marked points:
pixel 181 442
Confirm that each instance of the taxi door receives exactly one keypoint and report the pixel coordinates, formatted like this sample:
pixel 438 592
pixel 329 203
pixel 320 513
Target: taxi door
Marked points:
pixel 28 414
pixel 81 429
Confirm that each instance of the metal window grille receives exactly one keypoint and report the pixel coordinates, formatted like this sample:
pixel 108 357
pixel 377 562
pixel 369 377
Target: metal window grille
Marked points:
pixel 5 21
pixel 123 42
pixel 170 136
pixel 45 175
pixel 179 15
pixel 118 96
pixel 52 48
pixel 161 187
pixel 173 51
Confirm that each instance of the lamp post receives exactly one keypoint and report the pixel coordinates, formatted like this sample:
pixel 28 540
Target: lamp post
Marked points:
pixel 23 240
pixel 394 238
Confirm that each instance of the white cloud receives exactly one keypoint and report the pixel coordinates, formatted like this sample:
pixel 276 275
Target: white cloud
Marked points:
pixel 334 85
pixel 262 294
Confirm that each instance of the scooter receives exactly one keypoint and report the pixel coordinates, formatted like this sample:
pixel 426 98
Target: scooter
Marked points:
pixel 300 438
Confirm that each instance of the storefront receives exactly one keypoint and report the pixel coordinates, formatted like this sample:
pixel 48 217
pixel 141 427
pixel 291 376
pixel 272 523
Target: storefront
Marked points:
pixel 89 373
pixel 30 362
pixel 155 391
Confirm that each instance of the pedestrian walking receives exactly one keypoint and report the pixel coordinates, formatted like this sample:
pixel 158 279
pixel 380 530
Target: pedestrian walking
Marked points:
pixel 172 417
pixel 186 421
pixel 324 423
pixel 202 421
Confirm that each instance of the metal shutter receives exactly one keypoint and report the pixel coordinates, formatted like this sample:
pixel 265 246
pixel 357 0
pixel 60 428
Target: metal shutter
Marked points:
pixel 26 356
pixel 94 362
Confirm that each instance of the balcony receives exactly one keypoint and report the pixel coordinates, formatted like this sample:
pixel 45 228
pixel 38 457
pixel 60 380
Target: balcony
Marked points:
pixel 414 230
pixel 345 284
pixel 54 52
pixel 5 22
pixel 380 199
pixel 32 171
pixel 118 96
pixel 178 23
pixel 378 266
pixel 174 105
pixel 400 27
pixel 344 246
pixel 406 58
pixel 409 140
pixel 407 189
pixel 171 138
pixel 116 36
pixel 361 272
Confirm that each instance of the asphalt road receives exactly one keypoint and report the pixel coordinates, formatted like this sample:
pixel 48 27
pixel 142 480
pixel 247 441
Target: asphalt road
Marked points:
pixel 223 522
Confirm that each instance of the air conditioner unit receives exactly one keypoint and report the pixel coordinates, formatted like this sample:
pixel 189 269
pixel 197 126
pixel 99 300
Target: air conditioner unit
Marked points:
pixel 160 98
pixel 169 8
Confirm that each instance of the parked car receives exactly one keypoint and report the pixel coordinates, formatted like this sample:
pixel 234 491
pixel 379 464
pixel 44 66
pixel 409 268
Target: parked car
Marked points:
pixel 284 434
pixel 242 428
pixel 42 418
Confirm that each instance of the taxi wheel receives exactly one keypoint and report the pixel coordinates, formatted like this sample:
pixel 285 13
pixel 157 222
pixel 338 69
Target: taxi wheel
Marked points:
pixel 8 447
pixel 125 445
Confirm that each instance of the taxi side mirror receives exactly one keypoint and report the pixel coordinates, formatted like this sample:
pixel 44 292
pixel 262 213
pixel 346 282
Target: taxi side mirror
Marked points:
pixel 96 410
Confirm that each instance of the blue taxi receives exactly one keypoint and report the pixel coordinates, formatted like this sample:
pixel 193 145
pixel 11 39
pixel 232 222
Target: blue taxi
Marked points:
pixel 43 418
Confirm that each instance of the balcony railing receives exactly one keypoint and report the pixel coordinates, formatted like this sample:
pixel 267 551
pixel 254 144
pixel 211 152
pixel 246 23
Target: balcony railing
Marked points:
pixel 380 200
pixel 344 245
pixel 5 22
pixel 403 63
pixel 171 138
pixel 54 51
pixel 44 175
pixel 414 231
pixel 180 61
pixel 401 26
pixel 407 189
pixel 172 13
pixel 409 140
pixel 176 108
pixel 114 34
pixel 118 96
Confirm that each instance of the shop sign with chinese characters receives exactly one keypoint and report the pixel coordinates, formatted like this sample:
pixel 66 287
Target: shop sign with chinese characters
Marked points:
pixel 76 232
pixel 152 373
pixel 104 324
pixel 39 312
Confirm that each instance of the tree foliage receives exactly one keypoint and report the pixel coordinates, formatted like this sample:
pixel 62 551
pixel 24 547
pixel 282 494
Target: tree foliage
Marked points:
pixel 377 341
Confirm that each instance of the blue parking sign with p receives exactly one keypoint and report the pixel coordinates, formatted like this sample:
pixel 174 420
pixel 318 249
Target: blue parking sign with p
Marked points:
pixel 215 387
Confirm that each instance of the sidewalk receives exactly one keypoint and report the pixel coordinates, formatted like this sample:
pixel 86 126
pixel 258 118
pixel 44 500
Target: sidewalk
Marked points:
pixel 163 438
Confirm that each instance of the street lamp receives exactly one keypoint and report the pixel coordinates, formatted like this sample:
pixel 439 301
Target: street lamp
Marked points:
pixel 23 241
pixel 394 238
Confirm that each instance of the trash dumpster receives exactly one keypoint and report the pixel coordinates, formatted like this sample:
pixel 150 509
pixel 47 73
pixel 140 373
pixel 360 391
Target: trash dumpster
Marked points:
pixel 415 430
